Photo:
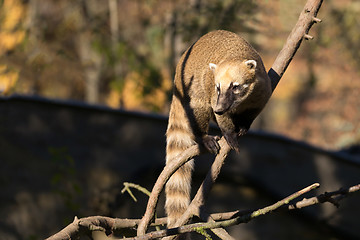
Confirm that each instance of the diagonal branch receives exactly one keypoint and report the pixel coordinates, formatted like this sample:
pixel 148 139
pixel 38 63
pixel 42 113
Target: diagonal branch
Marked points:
pixel 331 197
pixel 306 19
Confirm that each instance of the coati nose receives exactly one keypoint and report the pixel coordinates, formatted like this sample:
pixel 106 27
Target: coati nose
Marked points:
pixel 220 109
pixel 223 104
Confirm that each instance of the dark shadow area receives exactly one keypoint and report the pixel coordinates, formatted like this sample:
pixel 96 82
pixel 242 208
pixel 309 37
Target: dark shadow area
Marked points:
pixel 184 97
pixel 274 77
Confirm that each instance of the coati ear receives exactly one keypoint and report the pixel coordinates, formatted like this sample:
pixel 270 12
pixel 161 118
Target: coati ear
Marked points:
pixel 251 64
pixel 212 66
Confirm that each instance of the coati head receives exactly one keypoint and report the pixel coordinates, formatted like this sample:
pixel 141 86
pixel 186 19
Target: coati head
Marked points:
pixel 234 81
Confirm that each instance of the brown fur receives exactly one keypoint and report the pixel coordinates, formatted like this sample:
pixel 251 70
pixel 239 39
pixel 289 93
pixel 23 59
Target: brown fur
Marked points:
pixel 196 101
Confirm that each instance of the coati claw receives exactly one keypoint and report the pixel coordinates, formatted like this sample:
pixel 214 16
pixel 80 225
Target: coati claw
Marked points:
pixel 242 132
pixel 211 144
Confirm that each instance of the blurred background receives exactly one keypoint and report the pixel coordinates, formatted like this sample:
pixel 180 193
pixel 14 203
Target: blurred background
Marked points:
pixel 122 54
pixel 85 89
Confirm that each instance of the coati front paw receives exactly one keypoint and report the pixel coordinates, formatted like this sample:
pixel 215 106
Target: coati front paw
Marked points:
pixel 242 131
pixel 211 144
pixel 231 139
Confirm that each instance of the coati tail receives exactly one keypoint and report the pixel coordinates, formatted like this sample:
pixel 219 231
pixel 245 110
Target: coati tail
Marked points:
pixel 178 193
pixel 178 137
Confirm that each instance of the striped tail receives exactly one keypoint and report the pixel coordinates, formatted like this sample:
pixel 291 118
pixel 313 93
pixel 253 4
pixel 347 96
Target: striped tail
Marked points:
pixel 178 137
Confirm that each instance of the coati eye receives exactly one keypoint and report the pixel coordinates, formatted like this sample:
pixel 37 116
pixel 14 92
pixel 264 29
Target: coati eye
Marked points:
pixel 237 88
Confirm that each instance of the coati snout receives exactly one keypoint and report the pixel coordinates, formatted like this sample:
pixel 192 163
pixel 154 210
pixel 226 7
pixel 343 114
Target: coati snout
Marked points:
pixel 224 101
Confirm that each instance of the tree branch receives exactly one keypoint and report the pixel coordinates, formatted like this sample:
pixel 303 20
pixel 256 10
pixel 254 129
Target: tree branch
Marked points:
pixel 306 19
pixel 340 194
pixel 234 221
pixel 331 197
pixel 109 225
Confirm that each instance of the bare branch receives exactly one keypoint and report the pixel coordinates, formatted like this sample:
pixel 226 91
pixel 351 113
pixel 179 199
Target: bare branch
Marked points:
pixel 108 225
pixel 331 197
pixel 222 234
pixel 226 223
pixel 306 19
pixel 127 187
pixel 86 225
pixel 308 37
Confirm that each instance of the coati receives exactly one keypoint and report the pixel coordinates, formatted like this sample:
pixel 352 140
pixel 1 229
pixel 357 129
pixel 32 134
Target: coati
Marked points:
pixel 219 77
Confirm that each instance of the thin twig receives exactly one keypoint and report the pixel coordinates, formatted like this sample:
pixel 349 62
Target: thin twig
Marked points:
pixel 127 187
pixel 300 31
pixel 331 197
